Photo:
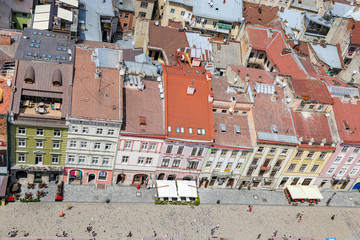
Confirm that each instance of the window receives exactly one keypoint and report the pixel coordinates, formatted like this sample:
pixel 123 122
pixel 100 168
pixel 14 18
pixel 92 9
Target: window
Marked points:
pixel 214 24
pixel 291 167
pixel 213 152
pixel 148 161
pixel 38 159
pixel 342 171
pixel 255 161
pixel 169 148
pixel 141 160
pixel 303 167
pixel 127 145
pixel 199 131
pixel 142 14
pixel 85 130
pixel 272 151
pixel 126 15
pixel 203 131
pixel 311 107
pixel 182 130
pixel 190 131
pixel 238 165
pixel 314 168
pixel 349 160
pixel 208 164
pixel 344 149
pixel 205 22
pixel 39 144
pixel 337 159
pixel 356 150
pixel 260 150
pixel 96 146
pixel 165 162
pixel 55 159
pixel 120 14
pixel 152 147
pixel 218 164
pixel 234 153
pixel 331 170
pixel 310 155
pixel 169 129
pixel 143 4
pixel 21 143
pixel 57 133
pixel 71 159
pixel 278 163
pixel 322 155
pixel 108 147
pixel 176 163
pixel 102 175
pixel 229 165
pixel 99 131
pixel 299 153
pixel 83 145
pixel 125 159
pixel 182 13
pixel 193 152
pixel 81 159
pixel 21 131
pixel 110 132
pixel 244 153
pixel 21 158
pixel 353 171
pixel 192 164
pixel 39 132
pixel 223 153
pixel 180 150
pixel 56 145
pixel 172 11
pixel 74 129
pixel 177 130
pixel 200 152
pixel 284 151
pixel 95 160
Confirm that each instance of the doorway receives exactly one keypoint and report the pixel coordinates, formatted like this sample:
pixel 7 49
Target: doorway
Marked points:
pixel 256 183
pixel 230 182
pixel 53 177
pixel 189 178
pixel 171 177
pixel 212 182
pixel 91 178
pixel 161 176
pixel 140 179
pixel 343 186
pixel 306 181
pixel 21 174
pixel 120 178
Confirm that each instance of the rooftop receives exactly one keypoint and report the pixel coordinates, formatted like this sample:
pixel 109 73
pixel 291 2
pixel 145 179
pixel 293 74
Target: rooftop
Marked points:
pixel 311 5
pixel 232 130
pixel 5 91
pixel 253 74
pixel 355 34
pixel 95 96
pixel 225 54
pixel 229 10
pixel 329 55
pixel 346 11
pixel 260 15
pixel 125 5
pixel 145 106
pixel 347 120
pixel 221 86
pixel 188 115
pixel 312 125
pixel 287 64
pixel 7 7
pixel 45 46
pixel 168 39
pixel 200 46
pixel 185 2
pixel 309 89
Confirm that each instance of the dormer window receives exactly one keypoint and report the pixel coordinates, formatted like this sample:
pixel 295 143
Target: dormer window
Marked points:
pixel 346 125
pixel 57 78
pixel 29 75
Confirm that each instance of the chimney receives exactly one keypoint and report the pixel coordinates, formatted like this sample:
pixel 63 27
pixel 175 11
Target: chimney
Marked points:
pixel 270 33
pixel 224 1
pixel 300 140
pixel 247 77
pixel 190 90
pixel 211 97
pixel 354 99
pixel 345 98
pixel 259 9
pixel 323 142
pixel 311 141
pixel 259 79
pixel 323 43
pixel 275 96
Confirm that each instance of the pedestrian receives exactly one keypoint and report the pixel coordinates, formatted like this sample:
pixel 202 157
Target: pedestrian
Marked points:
pixel 332 217
pixel 259 236
pixel 129 235
pixel 275 233
pixel 68 207
pixel 93 233
pixel 250 208
pixel 212 231
pixel 25 234
pixel 217 226
pixel 88 228
pixel 166 235
pixel 297 215
pixel 154 234
pixel 62 214
pixel 64 234
pixel 300 218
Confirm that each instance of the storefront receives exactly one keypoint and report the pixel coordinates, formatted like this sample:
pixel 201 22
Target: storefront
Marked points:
pixel 75 177
pixel 87 176
pixel 38 174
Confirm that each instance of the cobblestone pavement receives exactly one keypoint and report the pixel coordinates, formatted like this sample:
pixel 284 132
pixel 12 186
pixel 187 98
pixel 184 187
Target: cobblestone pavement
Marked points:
pixel 115 220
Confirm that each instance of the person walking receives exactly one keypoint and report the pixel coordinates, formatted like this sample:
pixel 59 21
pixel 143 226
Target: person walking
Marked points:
pixel 298 215
pixel 259 236
pixel 217 226
pixel 129 235
pixel 93 233
pixel 250 208
pixel 88 228
pixel 212 231
pixel 62 214
pixel 154 234
pixel 332 217
pixel 275 233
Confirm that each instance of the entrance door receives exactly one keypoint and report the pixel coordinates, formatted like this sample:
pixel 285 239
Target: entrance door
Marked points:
pixel 212 182
pixel 230 182
pixel 171 177
pixel 334 184
pixel 91 178
pixel 306 181
pixel 344 185
pixel 256 183
pixel 161 176
pixel 322 184
pixel 120 178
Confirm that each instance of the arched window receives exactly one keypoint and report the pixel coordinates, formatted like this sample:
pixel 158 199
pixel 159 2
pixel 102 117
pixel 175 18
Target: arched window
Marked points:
pixel 102 175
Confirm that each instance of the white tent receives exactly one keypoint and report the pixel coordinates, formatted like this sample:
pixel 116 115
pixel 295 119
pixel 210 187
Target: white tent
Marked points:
pixel 187 188
pixel 304 192
pixel 166 189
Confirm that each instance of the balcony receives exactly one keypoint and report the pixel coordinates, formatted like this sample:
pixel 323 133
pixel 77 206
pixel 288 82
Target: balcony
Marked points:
pixel 36 106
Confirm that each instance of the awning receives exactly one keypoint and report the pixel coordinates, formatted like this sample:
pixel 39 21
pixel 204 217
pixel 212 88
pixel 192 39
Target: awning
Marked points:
pixel 187 188
pixel 3 184
pixel 304 192
pixel 166 189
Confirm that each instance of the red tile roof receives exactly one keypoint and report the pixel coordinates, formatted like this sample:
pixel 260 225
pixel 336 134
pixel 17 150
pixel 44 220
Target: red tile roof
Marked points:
pixel 286 63
pixel 260 15
pixel 220 85
pixel 168 39
pixel 312 125
pixel 6 95
pixel 230 137
pixel 311 89
pixel 186 110
pixel 253 74
pixel 145 104
pixel 347 113
pixel 355 35
pixel 332 81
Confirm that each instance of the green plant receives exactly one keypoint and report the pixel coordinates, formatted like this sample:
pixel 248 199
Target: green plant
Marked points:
pixel 249 187
pixel 197 200
pixel 29 200
pixel 240 187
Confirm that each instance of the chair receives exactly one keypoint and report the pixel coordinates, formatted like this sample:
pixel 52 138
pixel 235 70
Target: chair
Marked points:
pixel 36 110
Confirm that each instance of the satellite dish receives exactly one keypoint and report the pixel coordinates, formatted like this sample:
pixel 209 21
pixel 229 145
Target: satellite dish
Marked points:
pixel 122 72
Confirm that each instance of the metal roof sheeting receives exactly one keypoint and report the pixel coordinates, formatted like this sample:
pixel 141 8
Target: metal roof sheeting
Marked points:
pixel 107 58
pixel 65 14
pixel 328 55
pixel 230 11
pixel 277 137
pixel 200 44
pixel 136 68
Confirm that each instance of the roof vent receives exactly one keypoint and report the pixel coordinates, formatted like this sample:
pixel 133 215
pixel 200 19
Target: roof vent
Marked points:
pixel 315 41
pixel 311 141
pixel 97 74
pixel 274 128
pixel 247 77
pixel 346 125
pixel 142 121
pixel 259 79
pixel 323 142
pixel 233 99
pixel 190 90
pixel 270 33
pixel 237 129
pixel 222 127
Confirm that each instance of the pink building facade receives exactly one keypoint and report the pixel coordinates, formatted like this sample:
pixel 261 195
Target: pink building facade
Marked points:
pixel 87 176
